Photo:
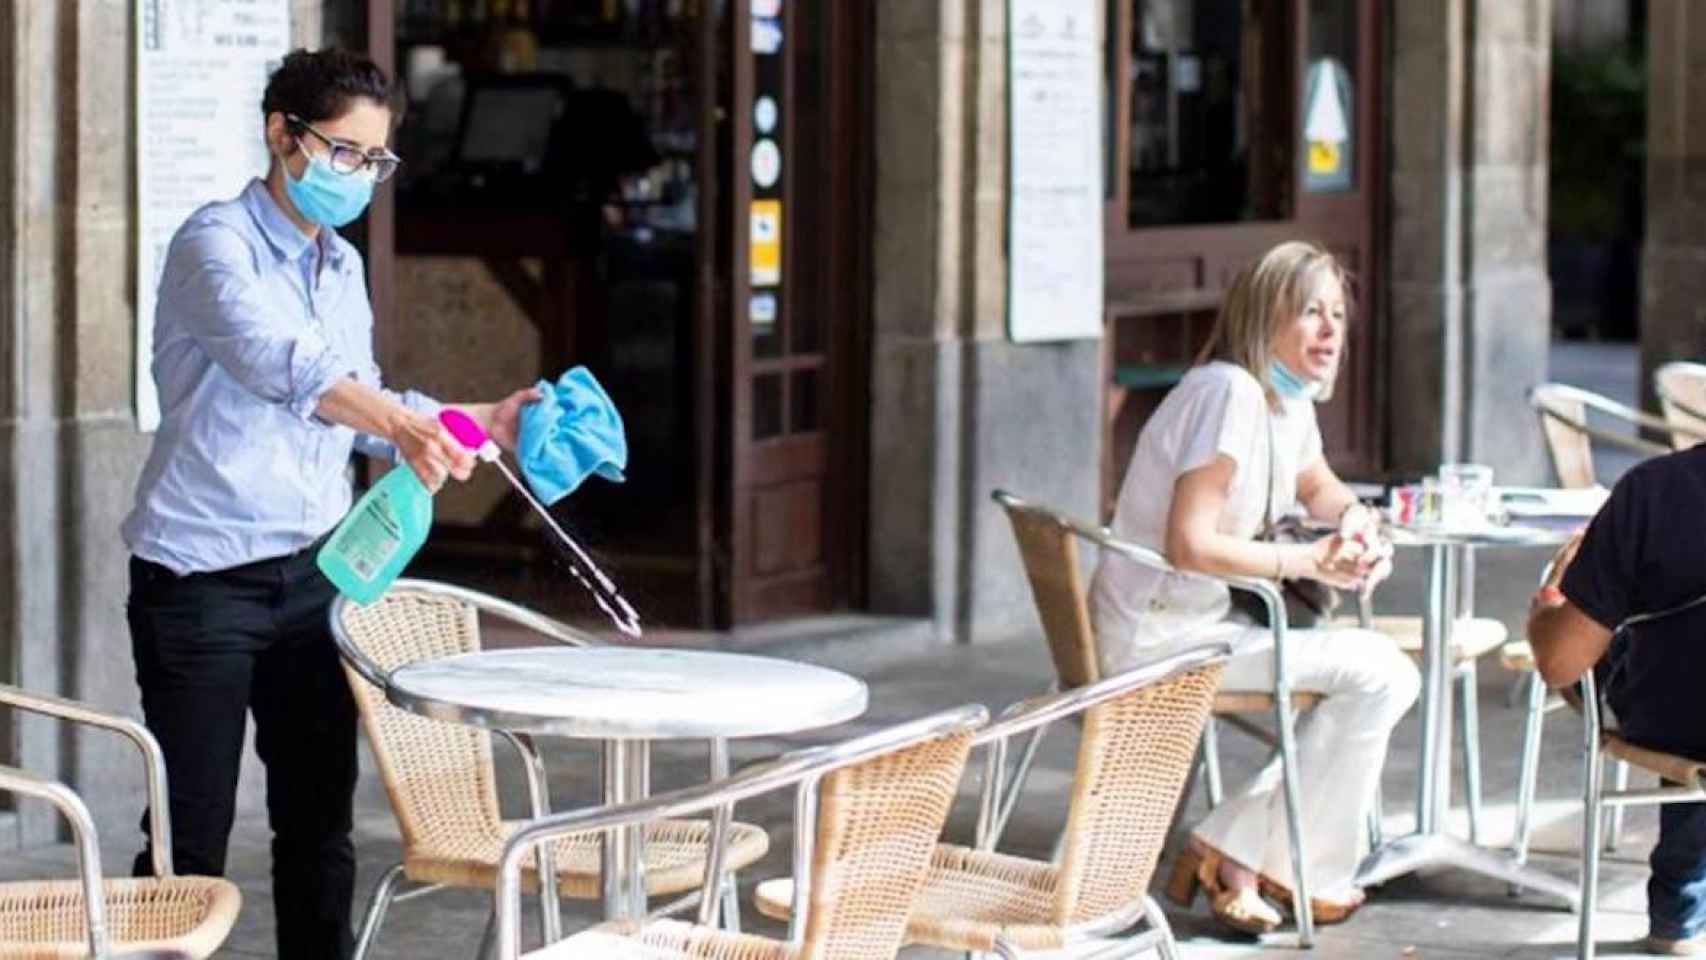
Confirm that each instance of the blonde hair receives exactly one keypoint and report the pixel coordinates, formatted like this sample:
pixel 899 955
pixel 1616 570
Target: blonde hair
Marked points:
pixel 1265 296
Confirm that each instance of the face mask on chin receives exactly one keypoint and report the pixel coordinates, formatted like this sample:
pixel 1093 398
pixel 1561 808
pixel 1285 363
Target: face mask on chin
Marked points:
pixel 323 195
pixel 1290 386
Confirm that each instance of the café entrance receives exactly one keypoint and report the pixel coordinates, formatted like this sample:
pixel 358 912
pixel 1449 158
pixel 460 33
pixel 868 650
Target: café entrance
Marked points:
pixel 673 193
pixel 1236 125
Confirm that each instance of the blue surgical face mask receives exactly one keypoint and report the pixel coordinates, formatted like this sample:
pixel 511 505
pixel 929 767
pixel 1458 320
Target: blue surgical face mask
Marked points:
pixel 1289 385
pixel 325 196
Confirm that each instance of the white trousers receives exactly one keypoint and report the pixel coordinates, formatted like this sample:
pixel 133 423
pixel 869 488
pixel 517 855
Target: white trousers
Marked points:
pixel 1341 745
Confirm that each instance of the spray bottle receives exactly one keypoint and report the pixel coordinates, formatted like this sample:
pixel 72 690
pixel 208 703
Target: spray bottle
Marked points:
pixel 388 525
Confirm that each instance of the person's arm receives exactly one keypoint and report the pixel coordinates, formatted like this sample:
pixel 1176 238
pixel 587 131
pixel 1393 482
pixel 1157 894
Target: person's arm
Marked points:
pixel 1327 498
pixel 1194 541
pixel 1590 586
pixel 1566 641
pixel 417 438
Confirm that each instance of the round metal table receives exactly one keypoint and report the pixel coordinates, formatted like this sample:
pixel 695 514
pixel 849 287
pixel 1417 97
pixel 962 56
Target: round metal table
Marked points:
pixel 1451 596
pixel 626 697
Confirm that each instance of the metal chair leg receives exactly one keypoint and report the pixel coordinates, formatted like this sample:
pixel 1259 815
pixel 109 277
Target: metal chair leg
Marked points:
pixel 383 891
pixel 1614 816
pixel 731 904
pixel 1470 725
pixel 1593 774
pixel 1020 772
pixel 1166 948
pixel 1211 762
pixel 1528 773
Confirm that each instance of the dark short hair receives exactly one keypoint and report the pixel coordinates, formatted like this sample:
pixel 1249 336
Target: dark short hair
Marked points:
pixel 319 85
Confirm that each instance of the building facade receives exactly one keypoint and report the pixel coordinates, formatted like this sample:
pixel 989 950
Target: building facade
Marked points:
pixel 831 409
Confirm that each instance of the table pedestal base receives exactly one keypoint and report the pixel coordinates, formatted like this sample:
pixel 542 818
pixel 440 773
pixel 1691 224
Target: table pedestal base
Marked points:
pixel 1420 850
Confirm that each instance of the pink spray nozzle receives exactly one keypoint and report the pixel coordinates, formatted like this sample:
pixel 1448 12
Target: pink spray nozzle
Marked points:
pixel 463 427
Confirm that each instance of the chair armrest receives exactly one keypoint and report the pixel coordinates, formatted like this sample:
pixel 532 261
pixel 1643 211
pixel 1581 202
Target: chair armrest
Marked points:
pixel 25 784
pixel 154 761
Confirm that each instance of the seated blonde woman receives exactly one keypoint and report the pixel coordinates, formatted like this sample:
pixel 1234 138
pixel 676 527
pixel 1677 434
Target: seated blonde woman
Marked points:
pixel 1235 444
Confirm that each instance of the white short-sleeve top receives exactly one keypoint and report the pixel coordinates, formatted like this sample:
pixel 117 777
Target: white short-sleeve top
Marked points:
pixel 1218 409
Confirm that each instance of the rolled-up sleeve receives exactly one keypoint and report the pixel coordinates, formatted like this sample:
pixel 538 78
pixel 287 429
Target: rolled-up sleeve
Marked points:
pixel 211 285
pixel 373 446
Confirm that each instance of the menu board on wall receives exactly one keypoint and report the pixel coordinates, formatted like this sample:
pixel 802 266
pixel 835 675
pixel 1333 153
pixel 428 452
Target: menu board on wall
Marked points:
pixel 201 66
pixel 1054 213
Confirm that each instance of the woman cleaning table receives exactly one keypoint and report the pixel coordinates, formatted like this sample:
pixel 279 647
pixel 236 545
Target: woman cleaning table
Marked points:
pixel 263 358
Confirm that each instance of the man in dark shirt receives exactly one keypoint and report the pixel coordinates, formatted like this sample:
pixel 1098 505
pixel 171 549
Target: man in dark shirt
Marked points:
pixel 1644 553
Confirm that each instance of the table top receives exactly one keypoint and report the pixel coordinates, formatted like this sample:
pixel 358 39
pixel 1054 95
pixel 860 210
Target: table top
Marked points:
pixel 619 693
pixel 1487 535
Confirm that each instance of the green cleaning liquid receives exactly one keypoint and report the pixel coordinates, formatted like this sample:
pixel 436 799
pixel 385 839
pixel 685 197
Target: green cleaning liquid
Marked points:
pixel 390 523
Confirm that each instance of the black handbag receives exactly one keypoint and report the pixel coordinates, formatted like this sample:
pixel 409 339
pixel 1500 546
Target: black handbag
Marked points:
pixel 1308 602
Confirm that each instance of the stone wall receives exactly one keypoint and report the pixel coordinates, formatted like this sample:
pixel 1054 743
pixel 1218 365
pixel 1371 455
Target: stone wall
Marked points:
pixel 1673 258
pixel 957 410
pixel 69 448
pixel 1470 297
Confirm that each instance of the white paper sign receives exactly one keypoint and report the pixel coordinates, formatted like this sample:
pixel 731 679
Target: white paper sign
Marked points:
pixel 1054 214
pixel 201 66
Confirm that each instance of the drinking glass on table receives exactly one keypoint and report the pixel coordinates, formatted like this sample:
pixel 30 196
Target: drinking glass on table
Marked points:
pixel 1466 494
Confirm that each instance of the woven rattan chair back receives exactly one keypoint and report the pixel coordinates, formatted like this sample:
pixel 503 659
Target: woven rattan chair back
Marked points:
pixel 877 826
pixel 1133 759
pixel 1681 387
pixel 1050 553
pixel 1571 449
pixel 439 776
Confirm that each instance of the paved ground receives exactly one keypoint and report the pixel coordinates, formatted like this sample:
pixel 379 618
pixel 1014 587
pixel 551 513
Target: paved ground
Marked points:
pixel 1448 915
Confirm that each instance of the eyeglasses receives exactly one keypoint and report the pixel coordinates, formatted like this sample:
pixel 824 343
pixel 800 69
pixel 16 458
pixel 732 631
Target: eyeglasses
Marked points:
pixel 347 158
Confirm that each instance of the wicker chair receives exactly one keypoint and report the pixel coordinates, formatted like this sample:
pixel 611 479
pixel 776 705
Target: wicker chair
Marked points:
pixel 441 779
pixel 160 916
pixel 1681 387
pixel 1137 752
pixel 1048 545
pixel 878 802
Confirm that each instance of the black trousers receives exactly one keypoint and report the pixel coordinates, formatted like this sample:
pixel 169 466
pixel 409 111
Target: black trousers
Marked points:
pixel 211 648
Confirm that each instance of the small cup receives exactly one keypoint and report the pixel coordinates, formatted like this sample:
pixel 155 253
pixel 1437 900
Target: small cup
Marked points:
pixel 1466 494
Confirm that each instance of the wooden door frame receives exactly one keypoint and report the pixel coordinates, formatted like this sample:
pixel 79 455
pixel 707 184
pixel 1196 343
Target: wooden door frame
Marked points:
pixel 1224 247
pixel 842 356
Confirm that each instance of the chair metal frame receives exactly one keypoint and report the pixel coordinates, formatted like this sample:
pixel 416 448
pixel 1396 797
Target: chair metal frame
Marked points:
pixel 70 805
pixel 386 891
pixel 802 769
pixel 1597 801
pixel 1034 715
pixel 1284 712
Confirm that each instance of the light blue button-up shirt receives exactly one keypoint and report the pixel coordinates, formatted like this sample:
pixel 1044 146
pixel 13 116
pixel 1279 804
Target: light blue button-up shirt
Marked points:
pixel 254 323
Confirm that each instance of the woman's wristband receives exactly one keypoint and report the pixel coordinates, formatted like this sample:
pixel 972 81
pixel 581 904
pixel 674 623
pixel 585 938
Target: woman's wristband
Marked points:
pixel 1279 562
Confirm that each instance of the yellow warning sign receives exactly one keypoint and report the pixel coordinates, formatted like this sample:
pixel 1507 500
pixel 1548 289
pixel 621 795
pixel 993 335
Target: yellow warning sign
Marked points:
pixel 1323 157
pixel 766 243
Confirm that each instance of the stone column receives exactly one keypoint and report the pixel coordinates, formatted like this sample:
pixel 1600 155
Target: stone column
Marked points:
pixel 1673 257
pixel 70 452
pixel 957 409
pixel 1470 298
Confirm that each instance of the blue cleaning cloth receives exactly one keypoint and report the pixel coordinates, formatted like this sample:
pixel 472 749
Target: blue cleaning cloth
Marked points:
pixel 571 432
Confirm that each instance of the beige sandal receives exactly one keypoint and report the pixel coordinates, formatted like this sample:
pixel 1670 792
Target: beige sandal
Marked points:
pixel 1242 910
pixel 1323 912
